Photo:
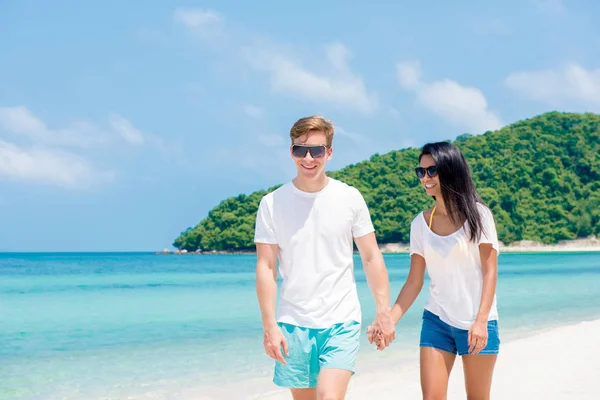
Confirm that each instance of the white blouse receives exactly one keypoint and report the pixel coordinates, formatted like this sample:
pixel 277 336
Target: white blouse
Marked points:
pixel 454 267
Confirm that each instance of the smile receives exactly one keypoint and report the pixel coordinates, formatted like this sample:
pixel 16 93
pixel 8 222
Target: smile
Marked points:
pixel 431 185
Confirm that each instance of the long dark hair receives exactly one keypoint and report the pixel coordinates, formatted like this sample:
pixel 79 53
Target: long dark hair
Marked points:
pixel 458 189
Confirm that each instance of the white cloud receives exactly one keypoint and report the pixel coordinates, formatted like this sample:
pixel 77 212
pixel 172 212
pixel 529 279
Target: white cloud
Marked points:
pixel 135 137
pixel 409 74
pixel 355 137
pixel 130 133
pixel 253 111
pixel 195 18
pixel 48 166
pixel 337 86
pixel 201 24
pixel 338 55
pixel 332 82
pixel 170 150
pixel 559 86
pixel 21 121
pixel 460 105
pixel 40 154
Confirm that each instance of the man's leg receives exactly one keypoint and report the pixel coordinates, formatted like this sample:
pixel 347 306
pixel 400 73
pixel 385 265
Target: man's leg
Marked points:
pixel 300 372
pixel 333 384
pixel 338 350
pixel 304 394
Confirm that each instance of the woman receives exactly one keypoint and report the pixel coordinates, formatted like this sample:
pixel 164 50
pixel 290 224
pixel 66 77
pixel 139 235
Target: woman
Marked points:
pixel 456 240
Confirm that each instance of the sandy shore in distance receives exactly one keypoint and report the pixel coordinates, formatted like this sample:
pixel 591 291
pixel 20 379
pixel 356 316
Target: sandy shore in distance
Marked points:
pixel 524 246
pixel 561 363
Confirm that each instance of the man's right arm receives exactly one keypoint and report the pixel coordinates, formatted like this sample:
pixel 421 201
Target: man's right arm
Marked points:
pixel 266 291
pixel 266 281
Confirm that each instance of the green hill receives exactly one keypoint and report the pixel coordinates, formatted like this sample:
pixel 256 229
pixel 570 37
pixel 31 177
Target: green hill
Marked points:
pixel 541 178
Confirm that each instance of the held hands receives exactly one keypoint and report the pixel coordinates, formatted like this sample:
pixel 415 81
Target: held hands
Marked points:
pixel 273 342
pixel 382 331
pixel 478 337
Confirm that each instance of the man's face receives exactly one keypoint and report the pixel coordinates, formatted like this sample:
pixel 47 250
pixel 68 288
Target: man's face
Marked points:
pixel 310 154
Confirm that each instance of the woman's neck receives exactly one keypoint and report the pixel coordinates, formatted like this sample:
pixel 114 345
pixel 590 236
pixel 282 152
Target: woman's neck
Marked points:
pixel 440 207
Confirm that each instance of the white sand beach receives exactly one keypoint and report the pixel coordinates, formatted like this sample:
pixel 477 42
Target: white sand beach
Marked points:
pixel 589 244
pixel 558 364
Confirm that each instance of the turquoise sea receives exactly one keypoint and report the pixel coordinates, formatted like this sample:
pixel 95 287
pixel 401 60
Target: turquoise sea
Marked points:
pixel 138 325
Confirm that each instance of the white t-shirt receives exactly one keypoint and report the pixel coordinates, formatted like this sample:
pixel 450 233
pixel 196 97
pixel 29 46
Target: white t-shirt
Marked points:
pixel 454 267
pixel 314 232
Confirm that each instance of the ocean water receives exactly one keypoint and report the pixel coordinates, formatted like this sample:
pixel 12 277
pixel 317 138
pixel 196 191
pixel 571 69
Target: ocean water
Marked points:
pixel 137 325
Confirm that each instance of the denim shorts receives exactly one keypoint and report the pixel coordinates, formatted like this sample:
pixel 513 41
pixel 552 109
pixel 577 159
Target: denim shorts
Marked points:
pixel 311 350
pixel 438 334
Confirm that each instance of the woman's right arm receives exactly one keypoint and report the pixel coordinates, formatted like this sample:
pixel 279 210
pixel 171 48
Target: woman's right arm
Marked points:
pixel 411 288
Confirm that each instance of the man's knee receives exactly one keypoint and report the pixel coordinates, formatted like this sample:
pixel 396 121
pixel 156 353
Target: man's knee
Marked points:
pixel 333 384
pixel 325 394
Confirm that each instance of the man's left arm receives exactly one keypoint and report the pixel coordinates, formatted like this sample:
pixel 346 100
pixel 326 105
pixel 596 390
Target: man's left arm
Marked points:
pixel 377 278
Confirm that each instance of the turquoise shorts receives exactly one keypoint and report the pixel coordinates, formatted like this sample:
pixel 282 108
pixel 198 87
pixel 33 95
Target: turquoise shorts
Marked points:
pixel 311 350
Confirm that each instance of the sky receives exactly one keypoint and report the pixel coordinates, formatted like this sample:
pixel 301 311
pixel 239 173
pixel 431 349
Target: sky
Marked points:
pixel 123 123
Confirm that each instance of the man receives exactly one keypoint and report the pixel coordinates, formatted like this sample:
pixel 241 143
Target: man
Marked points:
pixel 309 224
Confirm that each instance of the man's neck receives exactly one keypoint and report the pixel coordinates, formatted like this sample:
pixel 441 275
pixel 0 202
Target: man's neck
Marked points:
pixel 311 186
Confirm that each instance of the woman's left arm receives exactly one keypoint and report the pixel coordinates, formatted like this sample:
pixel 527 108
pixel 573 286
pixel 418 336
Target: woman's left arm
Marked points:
pixel 478 334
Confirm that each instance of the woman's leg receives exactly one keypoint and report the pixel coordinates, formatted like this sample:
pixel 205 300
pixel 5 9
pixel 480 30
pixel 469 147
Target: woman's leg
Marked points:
pixel 438 352
pixel 435 372
pixel 479 368
pixel 478 375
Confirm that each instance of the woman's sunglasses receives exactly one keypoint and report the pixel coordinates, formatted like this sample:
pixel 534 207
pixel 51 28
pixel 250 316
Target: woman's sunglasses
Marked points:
pixel 299 151
pixel 431 171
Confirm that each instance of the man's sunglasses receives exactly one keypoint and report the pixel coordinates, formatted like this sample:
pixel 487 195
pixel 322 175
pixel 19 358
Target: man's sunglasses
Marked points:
pixel 300 151
pixel 431 171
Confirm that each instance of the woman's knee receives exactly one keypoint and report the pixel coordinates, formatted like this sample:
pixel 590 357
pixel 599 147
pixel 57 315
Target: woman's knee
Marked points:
pixel 434 396
pixel 478 397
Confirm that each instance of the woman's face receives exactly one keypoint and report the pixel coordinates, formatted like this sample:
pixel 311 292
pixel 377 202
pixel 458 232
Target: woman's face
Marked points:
pixel 431 184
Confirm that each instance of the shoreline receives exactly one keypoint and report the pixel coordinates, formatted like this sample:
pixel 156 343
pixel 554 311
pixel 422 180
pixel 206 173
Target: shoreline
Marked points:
pixel 525 369
pixel 589 244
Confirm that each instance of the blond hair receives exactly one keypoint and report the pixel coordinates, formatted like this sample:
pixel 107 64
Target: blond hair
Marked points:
pixel 313 123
